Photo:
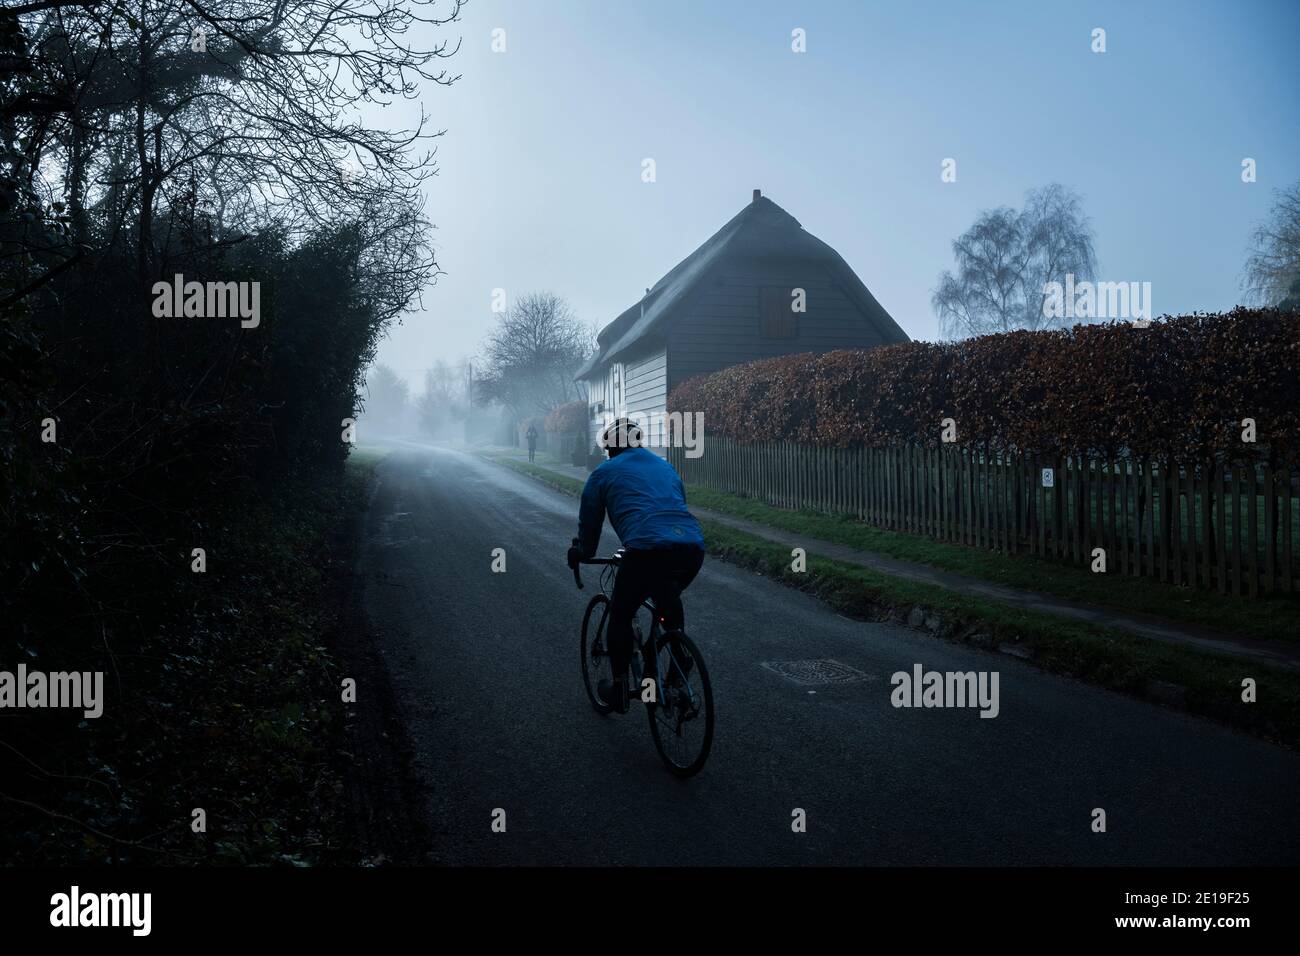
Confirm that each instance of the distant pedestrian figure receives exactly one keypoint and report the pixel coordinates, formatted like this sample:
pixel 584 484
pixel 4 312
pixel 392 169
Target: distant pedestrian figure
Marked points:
pixel 531 435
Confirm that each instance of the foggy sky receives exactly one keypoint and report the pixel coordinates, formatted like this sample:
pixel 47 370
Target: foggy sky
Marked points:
pixel 540 184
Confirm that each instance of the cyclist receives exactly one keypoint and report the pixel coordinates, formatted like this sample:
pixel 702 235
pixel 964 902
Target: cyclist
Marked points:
pixel 662 541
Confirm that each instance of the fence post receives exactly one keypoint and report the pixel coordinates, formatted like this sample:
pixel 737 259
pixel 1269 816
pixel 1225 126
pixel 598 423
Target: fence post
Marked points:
pixel 801 469
pixel 1236 531
pixel 877 487
pixel 1124 525
pixel 1159 522
pixel 1207 525
pixel 1111 539
pixel 918 488
pixel 781 485
pixel 789 458
pixel 909 488
pixel 972 499
pixel 1270 533
pixel 859 484
pixel 981 500
pixel 1221 531
pixel 1252 506
pixel 1139 516
pixel 895 490
pixel 1000 502
pixel 1040 496
pixel 927 458
pixel 991 497
pixel 1096 507
pixel 864 486
pixel 842 456
pixel 1004 539
pixel 869 482
pixel 972 496
pixel 1173 537
pixel 828 480
pixel 945 493
pixel 1189 489
pixel 1288 583
pixel 932 487
pixel 996 507
pixel 1010 503
pixel 914 486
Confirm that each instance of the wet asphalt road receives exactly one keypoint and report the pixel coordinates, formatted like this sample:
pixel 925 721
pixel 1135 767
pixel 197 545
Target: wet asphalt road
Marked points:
pixel 485 669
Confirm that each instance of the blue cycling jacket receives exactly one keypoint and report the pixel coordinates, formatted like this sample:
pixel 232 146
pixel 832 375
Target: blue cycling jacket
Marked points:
pixel 645 500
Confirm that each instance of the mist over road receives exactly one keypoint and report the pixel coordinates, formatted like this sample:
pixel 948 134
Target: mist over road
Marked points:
pixel 486 673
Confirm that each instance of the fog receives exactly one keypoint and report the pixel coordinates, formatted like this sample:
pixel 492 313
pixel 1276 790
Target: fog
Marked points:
pixel 541 165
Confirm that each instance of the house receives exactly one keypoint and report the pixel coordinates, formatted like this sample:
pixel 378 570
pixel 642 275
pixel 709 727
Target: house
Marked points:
pixel 759 287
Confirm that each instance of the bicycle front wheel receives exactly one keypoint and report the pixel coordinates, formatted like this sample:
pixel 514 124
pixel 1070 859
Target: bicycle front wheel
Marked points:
pixel 682 722
pixel 595 656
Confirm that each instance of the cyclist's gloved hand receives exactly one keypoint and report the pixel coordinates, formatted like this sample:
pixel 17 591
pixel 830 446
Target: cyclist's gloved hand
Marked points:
pixel 574 557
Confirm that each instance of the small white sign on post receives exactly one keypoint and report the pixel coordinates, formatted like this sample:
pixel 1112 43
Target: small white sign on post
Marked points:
pixel 1049 478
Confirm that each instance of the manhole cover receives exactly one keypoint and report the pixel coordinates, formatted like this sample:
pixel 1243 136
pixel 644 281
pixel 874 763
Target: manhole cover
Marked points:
pixel 816 672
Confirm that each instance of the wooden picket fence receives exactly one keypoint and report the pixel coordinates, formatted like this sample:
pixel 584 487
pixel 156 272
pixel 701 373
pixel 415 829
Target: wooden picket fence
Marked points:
pixel 1203 525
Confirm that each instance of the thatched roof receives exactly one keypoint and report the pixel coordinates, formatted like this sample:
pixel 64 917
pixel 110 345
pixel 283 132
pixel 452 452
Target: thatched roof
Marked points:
pixel 762 230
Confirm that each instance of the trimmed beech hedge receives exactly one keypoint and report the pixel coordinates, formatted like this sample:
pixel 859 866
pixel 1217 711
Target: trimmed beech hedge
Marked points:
pixel 568 419
pixel 1178 388
pixel 536 421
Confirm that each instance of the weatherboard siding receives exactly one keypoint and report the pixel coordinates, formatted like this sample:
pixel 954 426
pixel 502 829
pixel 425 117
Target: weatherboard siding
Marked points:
pixel 723 325
pixel 644 390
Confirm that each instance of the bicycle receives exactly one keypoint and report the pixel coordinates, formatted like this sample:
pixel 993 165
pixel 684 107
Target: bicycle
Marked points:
pixel 680 704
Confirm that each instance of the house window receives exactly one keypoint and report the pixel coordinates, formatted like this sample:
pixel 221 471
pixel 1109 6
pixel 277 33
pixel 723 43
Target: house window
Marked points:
pixel 777 317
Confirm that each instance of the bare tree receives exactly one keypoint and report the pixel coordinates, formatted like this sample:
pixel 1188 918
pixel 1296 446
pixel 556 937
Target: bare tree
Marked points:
pixel 531 356
pixel 1273 267
pixel 238 111
pixel 1058 241
pixel 1007 257
pixel 388 398
pixel 442 400
pixel 987 293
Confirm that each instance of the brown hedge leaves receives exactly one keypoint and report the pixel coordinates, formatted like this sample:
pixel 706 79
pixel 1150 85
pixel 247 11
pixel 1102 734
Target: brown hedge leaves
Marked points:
pixel 568 419
pixel 1180 388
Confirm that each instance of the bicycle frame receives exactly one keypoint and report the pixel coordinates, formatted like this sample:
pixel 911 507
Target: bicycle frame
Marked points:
pixel 609 570
pixel 682 691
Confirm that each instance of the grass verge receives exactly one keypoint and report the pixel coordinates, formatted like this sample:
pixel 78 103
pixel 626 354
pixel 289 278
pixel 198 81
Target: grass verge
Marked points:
pixel 1208 685
pixel 1273 618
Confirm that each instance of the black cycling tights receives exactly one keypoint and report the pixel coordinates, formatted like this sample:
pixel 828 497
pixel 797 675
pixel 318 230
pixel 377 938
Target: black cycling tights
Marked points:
pixel 648 574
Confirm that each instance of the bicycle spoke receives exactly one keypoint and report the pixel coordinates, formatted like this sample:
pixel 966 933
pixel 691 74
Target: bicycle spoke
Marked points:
pixel 681 713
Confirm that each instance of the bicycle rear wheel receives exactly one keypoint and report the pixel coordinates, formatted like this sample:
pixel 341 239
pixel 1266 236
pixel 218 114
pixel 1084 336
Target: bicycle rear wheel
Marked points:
pixel 595 656
pixel 682 722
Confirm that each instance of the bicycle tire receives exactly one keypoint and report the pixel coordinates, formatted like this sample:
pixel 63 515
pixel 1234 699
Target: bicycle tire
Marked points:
pixel 699 675
pixel 589 680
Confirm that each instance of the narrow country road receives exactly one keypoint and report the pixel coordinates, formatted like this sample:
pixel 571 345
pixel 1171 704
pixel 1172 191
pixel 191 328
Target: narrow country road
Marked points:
pixel 485 669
